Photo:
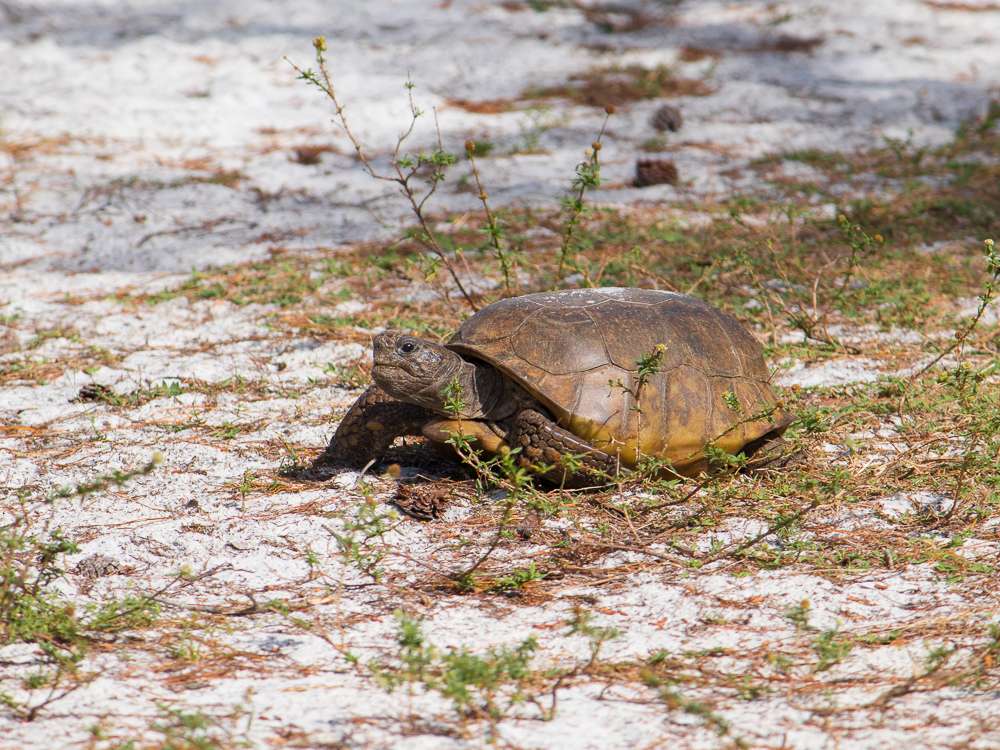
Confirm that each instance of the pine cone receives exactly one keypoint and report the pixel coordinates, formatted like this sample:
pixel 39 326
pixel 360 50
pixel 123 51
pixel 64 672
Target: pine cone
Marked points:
pixel 655 172
pixel 424 502
pixel 97 566
pixel 667 117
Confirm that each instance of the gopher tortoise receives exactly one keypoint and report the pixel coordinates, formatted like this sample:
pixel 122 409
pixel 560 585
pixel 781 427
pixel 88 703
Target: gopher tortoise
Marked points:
pixel 584 382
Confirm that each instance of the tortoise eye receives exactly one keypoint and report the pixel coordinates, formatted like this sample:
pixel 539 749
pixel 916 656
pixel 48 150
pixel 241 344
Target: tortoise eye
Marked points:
pixel 407 346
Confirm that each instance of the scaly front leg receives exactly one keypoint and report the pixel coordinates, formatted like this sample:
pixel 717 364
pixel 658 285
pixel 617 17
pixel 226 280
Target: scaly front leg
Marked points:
pixel 542 441
pixel 367 431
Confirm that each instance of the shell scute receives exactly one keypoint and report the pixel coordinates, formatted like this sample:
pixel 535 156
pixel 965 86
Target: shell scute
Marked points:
pixel 501 321
pixel 541 341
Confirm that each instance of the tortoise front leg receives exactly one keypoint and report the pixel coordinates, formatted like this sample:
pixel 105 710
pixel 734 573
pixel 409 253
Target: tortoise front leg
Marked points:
pixel 443 430
pixel 543 441
pixel 367 431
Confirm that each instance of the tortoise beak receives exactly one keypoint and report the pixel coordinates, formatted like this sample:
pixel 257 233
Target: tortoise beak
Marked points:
pixel 384 347
pixel 387 356
pixel 385 342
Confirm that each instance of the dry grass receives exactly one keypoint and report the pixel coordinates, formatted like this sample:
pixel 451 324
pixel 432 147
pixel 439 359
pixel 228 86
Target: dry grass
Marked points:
pixel 616 85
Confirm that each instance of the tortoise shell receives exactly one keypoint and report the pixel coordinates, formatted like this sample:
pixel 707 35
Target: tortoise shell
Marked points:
pixel 632 371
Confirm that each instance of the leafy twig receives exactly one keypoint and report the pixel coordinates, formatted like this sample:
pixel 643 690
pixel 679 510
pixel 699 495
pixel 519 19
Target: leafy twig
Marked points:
pixel 405 168
pixel 985 299
pixel 588 176
pixel 493 229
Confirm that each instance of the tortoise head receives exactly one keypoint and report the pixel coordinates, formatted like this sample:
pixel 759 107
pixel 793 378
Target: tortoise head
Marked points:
pixel 414 370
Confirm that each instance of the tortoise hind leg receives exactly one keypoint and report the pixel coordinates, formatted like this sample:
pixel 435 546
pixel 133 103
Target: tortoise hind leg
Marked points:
pixel 771 451
pixel 542 441
pixel 367 431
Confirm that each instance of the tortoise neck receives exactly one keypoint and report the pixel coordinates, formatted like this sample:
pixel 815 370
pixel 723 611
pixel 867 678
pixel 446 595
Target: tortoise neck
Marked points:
pixel 460 388
pixel 479 393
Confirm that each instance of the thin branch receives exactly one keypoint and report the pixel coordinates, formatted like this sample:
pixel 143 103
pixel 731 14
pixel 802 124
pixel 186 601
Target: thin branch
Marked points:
pixel 493 229
pixel 588 175
pixel 403 175
pixel 985 299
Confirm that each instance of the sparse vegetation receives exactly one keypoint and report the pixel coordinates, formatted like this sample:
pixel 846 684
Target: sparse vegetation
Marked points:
pixel 786 271
pixel 824 278
pixel 695 602
pixel 31 554
pixel 488 685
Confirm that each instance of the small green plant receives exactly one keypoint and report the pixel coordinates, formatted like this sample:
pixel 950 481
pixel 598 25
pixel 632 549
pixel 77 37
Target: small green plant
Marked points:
pixel 291 464
pixel 588 177
pixel 648 365
pixel 486 685
pixel 732 401
pixel 675 700
pixel 454 398
pixel 720 459
pixel 186 729
pixel 182 729
pixel 862 246
pixel 227 431
pixel 539 119
pixel 186 650
pixel 418 176
pixel 582 623
pixel 493 229
pixel 516 579
pixel 799 614
pixel 360 540
pixel 29 563
pixel 831 649
pixel 346 376
pixel 138 397
pixel 122 614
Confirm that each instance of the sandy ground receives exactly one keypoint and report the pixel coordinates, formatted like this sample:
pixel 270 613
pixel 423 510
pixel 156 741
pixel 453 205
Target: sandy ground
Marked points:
pixel 147 139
